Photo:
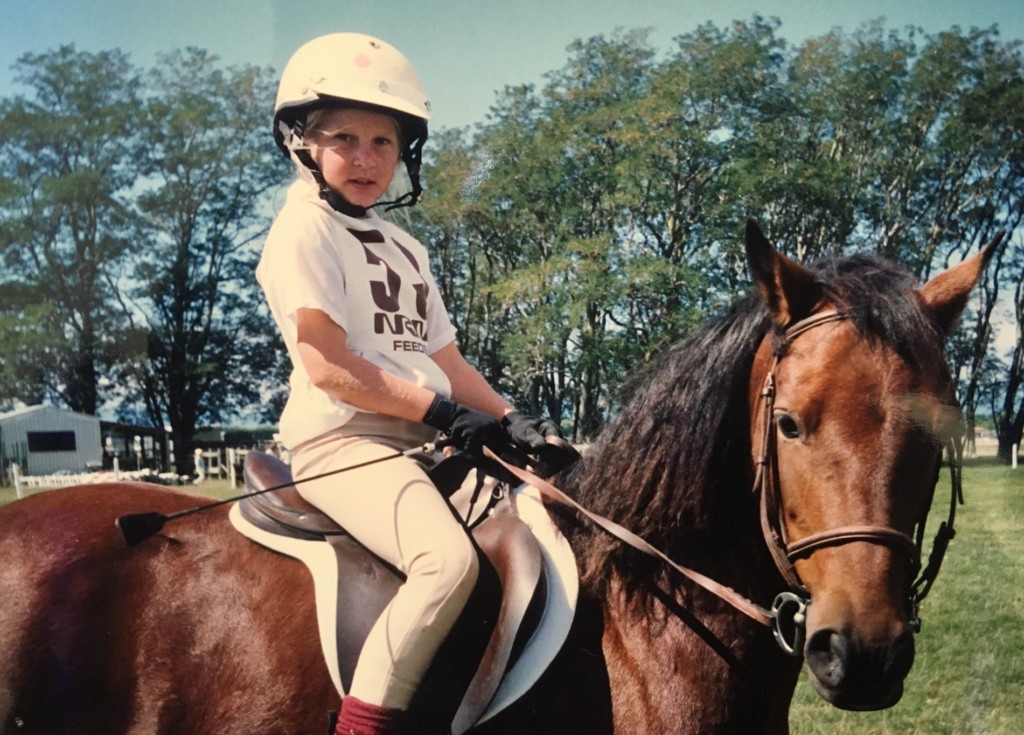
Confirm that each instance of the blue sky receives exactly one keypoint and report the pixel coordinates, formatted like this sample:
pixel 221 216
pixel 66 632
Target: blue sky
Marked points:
pixel 465 50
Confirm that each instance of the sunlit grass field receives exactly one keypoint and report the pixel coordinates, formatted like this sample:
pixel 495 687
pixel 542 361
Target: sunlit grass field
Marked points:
pixel 969 675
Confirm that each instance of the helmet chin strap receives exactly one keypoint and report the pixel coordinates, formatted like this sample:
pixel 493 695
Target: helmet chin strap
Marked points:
pixel 412 157
pixel 337 202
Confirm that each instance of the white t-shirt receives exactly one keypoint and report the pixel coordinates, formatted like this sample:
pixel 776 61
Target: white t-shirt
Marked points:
pixel 369 276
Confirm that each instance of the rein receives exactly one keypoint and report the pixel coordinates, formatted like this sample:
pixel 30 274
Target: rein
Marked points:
pixel 787 615
pixel 622 533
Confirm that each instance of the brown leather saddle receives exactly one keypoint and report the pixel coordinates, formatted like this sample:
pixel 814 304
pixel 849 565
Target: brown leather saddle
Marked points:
pixel 501 617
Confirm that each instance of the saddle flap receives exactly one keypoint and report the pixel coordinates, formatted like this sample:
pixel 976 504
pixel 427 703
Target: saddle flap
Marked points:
pixel 515 555
pixel 500 617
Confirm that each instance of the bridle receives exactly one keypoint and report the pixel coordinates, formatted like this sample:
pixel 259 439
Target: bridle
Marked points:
pixel 789 607
pixel 787 616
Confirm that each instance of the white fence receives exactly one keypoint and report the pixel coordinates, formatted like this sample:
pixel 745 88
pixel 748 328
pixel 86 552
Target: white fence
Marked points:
pixel 86 478
pixel 221 464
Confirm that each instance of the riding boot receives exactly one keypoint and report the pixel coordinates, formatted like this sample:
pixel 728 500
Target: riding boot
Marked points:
pixel 362 718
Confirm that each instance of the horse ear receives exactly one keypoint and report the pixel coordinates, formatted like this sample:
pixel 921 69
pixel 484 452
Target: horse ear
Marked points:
pixel 945 295
pixel 787 288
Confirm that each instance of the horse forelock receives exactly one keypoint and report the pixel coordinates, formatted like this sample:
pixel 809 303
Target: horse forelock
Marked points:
pixel 878 296
pixel 674 464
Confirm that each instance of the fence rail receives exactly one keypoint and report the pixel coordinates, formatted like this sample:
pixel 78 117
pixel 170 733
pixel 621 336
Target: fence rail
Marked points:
pixel 90 478
pixel 215 463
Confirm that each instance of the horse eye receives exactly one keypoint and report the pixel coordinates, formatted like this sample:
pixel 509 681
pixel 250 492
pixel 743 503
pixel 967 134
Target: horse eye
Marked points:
pixel 788 426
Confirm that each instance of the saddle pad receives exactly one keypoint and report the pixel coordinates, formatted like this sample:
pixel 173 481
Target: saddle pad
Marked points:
pixel 559 570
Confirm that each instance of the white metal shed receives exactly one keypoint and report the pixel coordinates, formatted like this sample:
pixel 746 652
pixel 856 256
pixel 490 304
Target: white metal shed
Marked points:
pixel 44 440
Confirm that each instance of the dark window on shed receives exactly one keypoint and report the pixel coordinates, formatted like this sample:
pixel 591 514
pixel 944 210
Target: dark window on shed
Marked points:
pixel 51 441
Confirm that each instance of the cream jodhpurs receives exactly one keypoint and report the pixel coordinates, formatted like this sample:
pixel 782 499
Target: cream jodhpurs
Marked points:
pixel 394 510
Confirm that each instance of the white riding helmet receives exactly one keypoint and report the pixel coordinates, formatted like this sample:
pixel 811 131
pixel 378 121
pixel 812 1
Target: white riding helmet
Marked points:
pixel 352 70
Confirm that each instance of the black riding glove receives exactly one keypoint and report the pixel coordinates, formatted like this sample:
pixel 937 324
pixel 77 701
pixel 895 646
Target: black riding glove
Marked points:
pixel 528 433
pixel 469 430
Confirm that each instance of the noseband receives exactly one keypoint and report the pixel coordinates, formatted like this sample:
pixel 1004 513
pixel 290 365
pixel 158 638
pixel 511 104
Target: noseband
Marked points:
pixel 789 608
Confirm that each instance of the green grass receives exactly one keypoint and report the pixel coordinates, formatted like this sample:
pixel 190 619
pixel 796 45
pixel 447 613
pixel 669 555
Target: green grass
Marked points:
pixel 968 677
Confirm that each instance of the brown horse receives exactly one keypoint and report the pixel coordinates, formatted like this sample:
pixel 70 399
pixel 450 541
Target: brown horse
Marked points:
pixel 826 392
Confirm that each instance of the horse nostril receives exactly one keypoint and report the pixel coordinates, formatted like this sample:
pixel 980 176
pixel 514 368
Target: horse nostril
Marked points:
pixel 901 656
pixel 855 677
pixel 827 653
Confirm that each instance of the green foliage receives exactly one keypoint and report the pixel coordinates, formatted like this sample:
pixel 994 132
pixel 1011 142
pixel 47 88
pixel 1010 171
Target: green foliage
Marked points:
pixel 585 224
pixel 66 167
pixel 598 218
pixel 208 171
pixel 28 344
pixel 132 211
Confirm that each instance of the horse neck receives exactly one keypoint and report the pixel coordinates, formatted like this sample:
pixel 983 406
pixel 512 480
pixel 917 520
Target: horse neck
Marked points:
pixel 683 661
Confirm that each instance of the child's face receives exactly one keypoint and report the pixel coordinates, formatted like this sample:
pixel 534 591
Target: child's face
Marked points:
pixel 357 151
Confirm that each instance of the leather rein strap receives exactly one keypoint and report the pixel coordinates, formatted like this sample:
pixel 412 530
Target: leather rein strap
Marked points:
pixel 783 552
pixel 553 494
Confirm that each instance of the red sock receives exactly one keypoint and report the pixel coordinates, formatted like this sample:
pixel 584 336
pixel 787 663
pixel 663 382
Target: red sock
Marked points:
pixel 362 718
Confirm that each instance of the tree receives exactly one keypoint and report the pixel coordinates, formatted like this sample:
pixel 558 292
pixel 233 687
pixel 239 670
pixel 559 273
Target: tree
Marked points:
pixel 27 346
pixel 702 110
pixel 68 162
pixel 586 224
pixel 209 165
pixel 1009 411
pixel 977 189
pixel 546 213
pixel 607 205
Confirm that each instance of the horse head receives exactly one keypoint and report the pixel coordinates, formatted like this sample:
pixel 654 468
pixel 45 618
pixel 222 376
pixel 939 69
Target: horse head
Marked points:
pixel 856 404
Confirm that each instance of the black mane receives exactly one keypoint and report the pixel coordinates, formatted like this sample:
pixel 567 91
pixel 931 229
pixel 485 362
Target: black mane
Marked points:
pixel 674 465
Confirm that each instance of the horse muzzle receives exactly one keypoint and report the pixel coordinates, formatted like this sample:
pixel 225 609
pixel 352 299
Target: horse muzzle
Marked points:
pixel 853 675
